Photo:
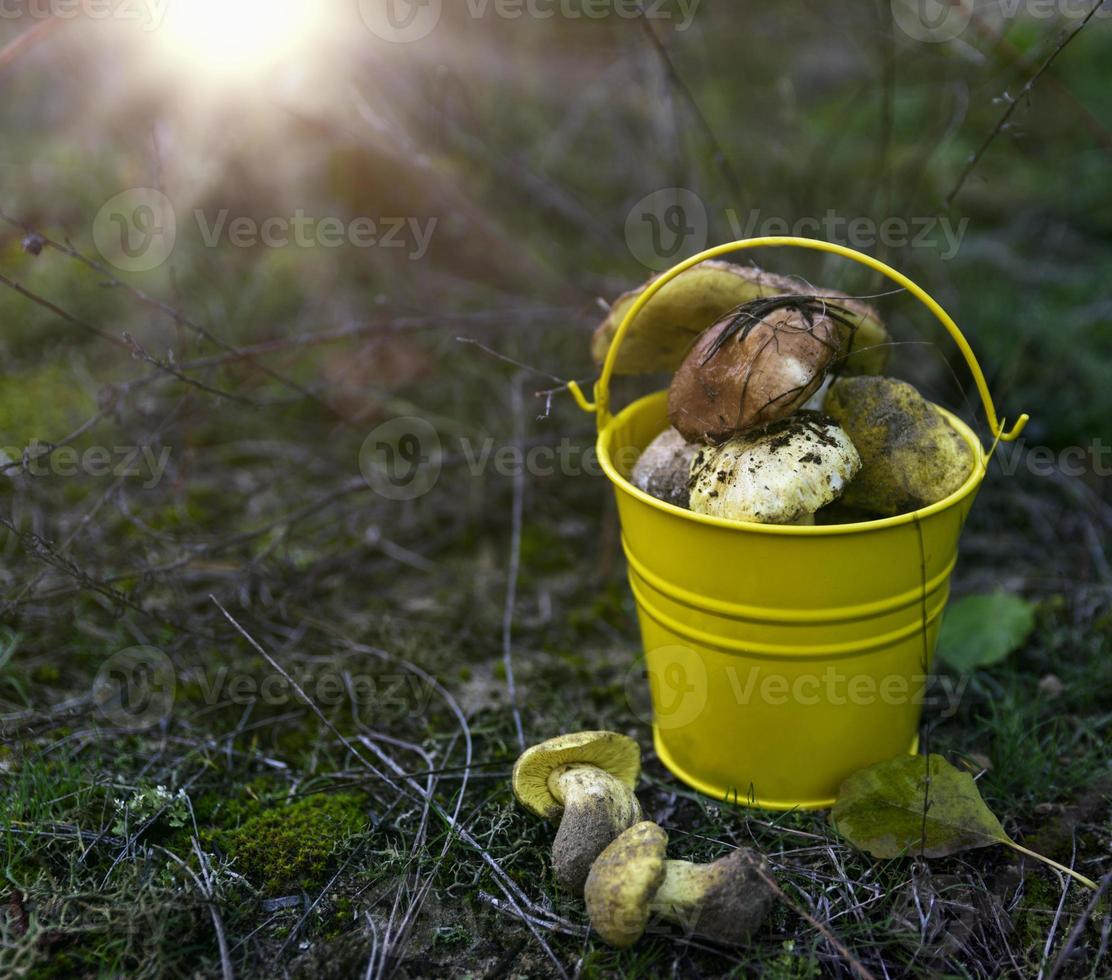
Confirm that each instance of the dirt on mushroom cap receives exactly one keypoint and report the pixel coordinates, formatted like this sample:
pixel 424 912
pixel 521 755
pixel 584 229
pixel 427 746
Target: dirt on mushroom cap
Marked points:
pixel 623 881
pixel 776 475
pixel 910 455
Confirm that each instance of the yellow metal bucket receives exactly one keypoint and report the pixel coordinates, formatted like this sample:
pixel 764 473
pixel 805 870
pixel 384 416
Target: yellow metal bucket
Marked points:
pixel 782 658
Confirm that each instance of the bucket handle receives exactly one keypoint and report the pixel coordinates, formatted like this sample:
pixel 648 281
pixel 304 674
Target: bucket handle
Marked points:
pixel 601 405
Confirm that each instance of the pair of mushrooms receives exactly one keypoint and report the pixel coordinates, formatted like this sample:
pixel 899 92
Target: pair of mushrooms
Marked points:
pixel 603 849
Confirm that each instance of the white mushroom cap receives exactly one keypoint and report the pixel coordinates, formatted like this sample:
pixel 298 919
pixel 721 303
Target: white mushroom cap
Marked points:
pixel 780 474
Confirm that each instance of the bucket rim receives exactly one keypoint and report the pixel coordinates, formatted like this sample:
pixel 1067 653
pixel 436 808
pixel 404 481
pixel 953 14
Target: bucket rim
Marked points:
pixel 970 486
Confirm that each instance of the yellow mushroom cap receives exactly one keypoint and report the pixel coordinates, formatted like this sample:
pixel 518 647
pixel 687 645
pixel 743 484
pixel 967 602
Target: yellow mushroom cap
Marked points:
pixel 617 754
pixel 623 881
pixel 911 456
pixel 661 335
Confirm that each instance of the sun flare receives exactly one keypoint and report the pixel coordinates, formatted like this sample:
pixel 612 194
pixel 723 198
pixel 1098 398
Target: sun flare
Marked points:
pixel 239 37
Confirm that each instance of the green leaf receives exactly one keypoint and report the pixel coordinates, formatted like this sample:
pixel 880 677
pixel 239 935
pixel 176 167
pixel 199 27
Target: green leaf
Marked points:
pixel 880 809
pixel 913 805
pixel 983 629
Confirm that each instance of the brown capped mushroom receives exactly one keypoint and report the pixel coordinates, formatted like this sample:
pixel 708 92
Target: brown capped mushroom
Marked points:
pixel 724 901
pixel 662 469
pixel 756 365
pixel 910 455
pixel 662 333
pixel 781 474
pixel 584 781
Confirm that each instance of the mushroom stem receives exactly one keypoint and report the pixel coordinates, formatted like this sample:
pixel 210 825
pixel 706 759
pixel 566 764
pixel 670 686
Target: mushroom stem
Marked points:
pixel 597 808
pixel 681 891
pixel 724 901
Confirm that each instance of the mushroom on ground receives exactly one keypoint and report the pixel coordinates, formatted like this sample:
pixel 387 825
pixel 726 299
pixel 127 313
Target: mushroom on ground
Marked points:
pixel 756 365
pixel 585 781
pixel 662 333
pixel 724 901
pixel 780 474
pixel 662 469
pixel 910 455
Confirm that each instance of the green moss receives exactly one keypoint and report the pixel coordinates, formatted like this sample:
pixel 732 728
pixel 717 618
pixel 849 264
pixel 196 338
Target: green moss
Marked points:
pixel 294 846
pixel 46 674
pixel 543 550
pixel 1034 912
pixel 612 605
pixel 43 403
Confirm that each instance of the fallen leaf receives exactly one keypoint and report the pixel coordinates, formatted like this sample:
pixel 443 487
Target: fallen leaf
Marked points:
pixel 880 809
pixel 913 805
pixel 983 629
